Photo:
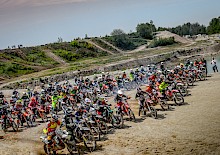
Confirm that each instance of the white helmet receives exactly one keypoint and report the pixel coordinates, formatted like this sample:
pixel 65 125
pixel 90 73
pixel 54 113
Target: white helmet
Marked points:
pixel 87 100
pixel 120 92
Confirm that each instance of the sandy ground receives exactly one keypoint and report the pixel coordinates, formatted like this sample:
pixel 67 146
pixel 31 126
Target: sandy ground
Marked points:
pixel 193 128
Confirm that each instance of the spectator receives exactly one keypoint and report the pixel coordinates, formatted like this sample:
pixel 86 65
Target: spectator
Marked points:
pixel 214 65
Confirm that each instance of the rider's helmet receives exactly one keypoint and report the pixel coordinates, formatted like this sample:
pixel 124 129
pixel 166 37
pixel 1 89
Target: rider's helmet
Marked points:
pixel 18 103
pixel 181 65
pixel 55 93
pixel 54 118
pixel 139 89
pixel 87 100
pixel 172 71
pixel 75 87
pixel 162 76
pixel 120 92
pixel 68 111
pixel 43 91
pixel 33 99
pixel 103 73
pixel 161 63
pixel 28 88
pixel 43 96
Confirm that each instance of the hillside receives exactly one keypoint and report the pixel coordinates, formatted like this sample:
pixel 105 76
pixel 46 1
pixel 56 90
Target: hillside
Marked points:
pixel 20 61
pixel 57 58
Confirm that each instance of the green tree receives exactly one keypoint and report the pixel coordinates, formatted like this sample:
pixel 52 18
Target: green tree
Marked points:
pixel 145 30
pixel 214 26
pixel 117 32
pixel 121 39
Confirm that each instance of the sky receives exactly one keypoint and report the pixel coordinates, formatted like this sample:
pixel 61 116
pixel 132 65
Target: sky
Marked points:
pixel 37 22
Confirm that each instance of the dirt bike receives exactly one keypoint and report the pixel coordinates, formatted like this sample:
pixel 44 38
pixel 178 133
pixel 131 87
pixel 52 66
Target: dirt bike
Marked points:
pixel 7 121
pixel 84 134
pixel 47 107
pixel 127 84
pixel 23 117
pixel 61 140
pixel 106 90
pixel 124 109
pixel 146 106
pixel 39 113
pixel 94 127
pixel 156 97
pixel 108 116
pixel 180 87
pixel 103 127
pixel 3 101
pixel 174 95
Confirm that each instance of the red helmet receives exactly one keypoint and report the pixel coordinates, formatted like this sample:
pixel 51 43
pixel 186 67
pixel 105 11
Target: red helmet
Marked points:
pixel 33 99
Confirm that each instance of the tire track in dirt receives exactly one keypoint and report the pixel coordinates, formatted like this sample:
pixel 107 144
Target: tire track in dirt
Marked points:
pixel 55 57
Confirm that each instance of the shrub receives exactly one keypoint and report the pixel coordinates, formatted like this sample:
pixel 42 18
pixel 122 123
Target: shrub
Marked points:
pixel 162 42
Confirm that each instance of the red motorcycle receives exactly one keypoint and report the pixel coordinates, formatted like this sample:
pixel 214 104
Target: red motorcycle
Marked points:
pixel 123 108
pixel 23 117
pixel 38 113
pixel 174 95
pixel 156 98
pixel 7 121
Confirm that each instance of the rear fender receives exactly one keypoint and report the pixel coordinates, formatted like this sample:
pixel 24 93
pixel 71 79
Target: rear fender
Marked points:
pixel 180 84
pixel 175 91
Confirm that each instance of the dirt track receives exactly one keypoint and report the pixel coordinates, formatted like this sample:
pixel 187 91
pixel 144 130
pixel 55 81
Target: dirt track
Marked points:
pixel 193 128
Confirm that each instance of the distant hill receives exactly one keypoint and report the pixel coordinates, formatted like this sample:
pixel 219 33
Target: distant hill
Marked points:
pixel 167 34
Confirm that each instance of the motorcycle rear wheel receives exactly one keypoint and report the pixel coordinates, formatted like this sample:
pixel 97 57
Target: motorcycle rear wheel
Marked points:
pixel 178 99
pixel 72 149
pixel 89 141
pixel 117 121
pixel 48 150
pixel 153 112
pixel 164 105
pixel 131 113
pixel 103 127
pixel 14 126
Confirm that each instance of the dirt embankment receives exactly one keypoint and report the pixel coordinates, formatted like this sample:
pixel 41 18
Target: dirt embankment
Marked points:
pixel 193 128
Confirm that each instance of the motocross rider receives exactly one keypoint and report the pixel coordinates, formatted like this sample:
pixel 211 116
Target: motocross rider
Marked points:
pixel 119 99
pixel 51 127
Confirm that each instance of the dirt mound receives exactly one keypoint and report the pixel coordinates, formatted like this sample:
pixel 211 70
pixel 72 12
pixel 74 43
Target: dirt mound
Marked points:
pixel 167 34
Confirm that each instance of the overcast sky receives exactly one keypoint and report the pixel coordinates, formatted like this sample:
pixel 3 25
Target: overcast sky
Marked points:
pixel 35 22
